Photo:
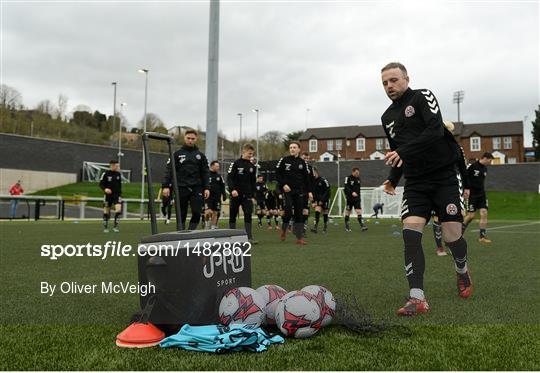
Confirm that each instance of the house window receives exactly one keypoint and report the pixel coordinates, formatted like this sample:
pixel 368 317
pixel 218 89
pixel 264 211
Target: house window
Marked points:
pixel 360 144
pixel 512 160
pixel 475 144
pixel 338 144
pixel 379 143
pixel 508 142
pixel 313 146
pixel 386 144
pixel 330 145
pixel 496 143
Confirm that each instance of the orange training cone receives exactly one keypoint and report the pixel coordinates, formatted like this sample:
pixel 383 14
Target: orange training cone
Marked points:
pixel 139 335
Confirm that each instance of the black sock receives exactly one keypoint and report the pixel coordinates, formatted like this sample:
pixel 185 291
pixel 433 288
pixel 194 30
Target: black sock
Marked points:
pixel 325 219
pixel 260 218
pixel 268 220
pixel 163 210
pixel 459 252
pixel 437 233
pixel 169 210
pixel 232 225
pixel 116 218
pixel 360 220
pixel 414 258
pixel 347 221
pixel 298 230
pixel 247 227
pixel 105 220
pixel 275 219
pixel 482 232
pixel 317 217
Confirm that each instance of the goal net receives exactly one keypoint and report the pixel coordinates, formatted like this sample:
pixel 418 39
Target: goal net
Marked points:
pixel 370 196
pixel 92 171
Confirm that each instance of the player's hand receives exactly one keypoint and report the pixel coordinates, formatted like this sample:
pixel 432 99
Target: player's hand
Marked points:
pixel 165 192
pixel 393 159
pixel 224 197
pixel 286 188
pixel 354 194
pixel 310 196
pixel 313 205
pixel 234 193
pixel 206 194
pixel 389 188
pixel 108 191
pixel 466 193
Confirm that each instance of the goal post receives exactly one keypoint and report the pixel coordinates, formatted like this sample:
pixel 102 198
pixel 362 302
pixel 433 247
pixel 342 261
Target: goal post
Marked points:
pixel 369 196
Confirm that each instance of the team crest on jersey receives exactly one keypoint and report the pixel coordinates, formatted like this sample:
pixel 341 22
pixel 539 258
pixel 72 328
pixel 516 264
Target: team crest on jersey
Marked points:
pixel 217 178
pixel 451 209
pixel 181 158
pixel 109 178
pixel 300 166
pixel 198 156
pixel 251 169
pixel 409 111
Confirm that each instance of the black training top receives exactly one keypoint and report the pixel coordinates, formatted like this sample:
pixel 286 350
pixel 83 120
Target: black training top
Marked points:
pixel 216 186
pixel 415 129
pixel 293 171
pixel 241 177
pixel 352 184
pixel 191 168
pixel 113 181
pixel 477 173
pixel 321 189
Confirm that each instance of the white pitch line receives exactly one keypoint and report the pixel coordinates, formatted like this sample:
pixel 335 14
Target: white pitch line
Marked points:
pixel 519 232
pixel 510 226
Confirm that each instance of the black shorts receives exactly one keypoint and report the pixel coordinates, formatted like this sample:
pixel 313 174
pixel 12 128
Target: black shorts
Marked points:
pixel 271 205
pixel 261 205
pixel 477 201
pixel 323 204
pixel 213 203
pixel 354 203
pixel 111 199
pixel 444 199
pixel 306 201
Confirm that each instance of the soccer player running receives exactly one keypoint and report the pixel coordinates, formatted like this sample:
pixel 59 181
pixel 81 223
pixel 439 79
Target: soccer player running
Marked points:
pixel 321 199
pixel 241 181
pixel 111 184
pixel 192 174
pixel 217 192
pixel 414 128
pixel 294 180
pixel 352 195
pixel 477 173
pixel 260 195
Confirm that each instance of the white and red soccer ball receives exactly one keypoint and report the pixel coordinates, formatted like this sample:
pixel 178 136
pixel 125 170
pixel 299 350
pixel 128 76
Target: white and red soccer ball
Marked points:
pixel 326 301
pixel 242 305
pixel 298 315
pixel 271 295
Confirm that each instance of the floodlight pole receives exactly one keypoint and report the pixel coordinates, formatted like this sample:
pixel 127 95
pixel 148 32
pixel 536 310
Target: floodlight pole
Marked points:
pixel 257 146
pixel 143 169
pixel 240 138
pixel 120 139
pixel 114 106
pixel 212 89
pixel 458 99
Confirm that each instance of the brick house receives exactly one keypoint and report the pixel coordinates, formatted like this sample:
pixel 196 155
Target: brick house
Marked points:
pixel 503 139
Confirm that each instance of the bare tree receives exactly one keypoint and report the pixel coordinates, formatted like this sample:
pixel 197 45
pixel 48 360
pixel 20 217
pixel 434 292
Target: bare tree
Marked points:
pixel 62 107
pixel 46 107
pixel 153 121
pixel 9 97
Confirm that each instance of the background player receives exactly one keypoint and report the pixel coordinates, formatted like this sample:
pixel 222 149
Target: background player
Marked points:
pixel 260 197
pixel 271 208
pixel 111 184
pixel 294 180
pixel 321 200
pixel 352 195
pixel 166 205
pixel 305 211
pixel 241 182
pixel 477 173
pixel 421 150
pixel 216 186
pixel 377 209
pixel 192 174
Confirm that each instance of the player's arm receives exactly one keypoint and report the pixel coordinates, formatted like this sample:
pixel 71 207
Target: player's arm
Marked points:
pixel 347 187
pixel 280 173
pixel 326 194
pixel 431 114
pixel 231 177
pixel 222 189
pixel 462 166
pixel 167 179
pixel 103 183
pixel 204 171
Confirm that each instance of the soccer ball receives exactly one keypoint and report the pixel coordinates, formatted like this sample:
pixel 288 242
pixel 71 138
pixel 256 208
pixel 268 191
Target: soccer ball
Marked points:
pixel 271 295
pixel 298 315
pixel 326 301
pixel 242 305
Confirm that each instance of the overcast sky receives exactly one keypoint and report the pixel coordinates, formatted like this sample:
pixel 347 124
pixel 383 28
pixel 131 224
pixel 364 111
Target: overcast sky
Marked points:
pixel 280 57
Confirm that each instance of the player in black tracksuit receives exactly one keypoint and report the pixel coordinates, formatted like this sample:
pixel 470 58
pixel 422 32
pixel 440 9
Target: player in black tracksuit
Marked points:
pixel 294 180
pixel 241 181
pixel 271 202
pixel 192 175
pixel 217 193
pixel 321 199
pixel 477 173
pixel 422 149
pixel 111 184
pixel 354 199
pixel 260 195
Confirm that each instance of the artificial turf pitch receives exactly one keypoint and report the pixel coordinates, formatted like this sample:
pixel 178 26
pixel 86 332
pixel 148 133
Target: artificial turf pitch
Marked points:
pixel 497 329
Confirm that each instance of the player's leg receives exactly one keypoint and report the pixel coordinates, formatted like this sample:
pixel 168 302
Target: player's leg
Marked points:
pixel 234 210
pixel 358 209
pixel 287 214
pixel 184 197
pixel 298 228
pixel 117 214
pixel 317 217
pixel 483 206
pixel 259 214
pixel 269 214
pixel 247 208
pixel 305 214
pixel 450 209
pixel 471 212
pixel 437 235
pixel 325 205
pixel 348 209
pixel 106 215
pixel 196 201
